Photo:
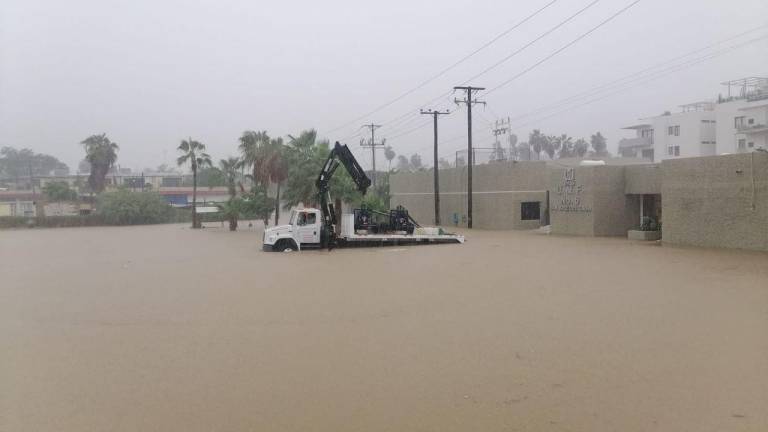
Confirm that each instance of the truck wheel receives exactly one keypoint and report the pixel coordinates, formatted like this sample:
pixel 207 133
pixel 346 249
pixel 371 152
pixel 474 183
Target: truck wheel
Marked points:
pixel 285 246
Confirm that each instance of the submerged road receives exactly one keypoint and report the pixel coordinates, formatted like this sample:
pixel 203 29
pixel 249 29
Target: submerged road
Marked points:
pixel 162 328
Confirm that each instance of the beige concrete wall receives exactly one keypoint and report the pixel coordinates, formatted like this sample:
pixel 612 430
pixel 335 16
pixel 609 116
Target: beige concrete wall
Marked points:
pixel 642 179
pixel 591 201
pixel 498 191
pixel 718 201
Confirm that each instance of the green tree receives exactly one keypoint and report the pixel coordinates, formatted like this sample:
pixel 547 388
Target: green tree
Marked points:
pixel 18 164
pixel 537 142
pixel 390 155
pixel 403 164
pixel 258 205
pixel 101 153
pixel 580 147
pixel 59 191
pixel 416 163
pixel 251 154
pixel 564 145
pixel 228 168
pixel 124 207
pixel 231 211
pixel 305 156
pixel 599 145
pixel 193 152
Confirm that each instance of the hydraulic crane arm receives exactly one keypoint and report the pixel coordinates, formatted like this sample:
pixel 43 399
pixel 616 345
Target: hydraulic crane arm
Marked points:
pixel 340 154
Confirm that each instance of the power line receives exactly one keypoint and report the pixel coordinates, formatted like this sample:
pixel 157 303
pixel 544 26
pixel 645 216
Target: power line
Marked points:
pixel 506 58
pixel 564 47
pixel 445 70
pixel 628 78
pixel 644 80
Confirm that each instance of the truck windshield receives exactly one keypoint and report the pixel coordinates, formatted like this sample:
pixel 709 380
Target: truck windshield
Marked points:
pixel 293 217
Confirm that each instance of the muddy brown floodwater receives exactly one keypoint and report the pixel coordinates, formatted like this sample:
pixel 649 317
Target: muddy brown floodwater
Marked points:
pixel 162 328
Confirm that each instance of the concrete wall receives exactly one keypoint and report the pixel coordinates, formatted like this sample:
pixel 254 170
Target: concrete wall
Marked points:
pixel 717 201
pixel 498 191
pixel 591 201
pixel 642 179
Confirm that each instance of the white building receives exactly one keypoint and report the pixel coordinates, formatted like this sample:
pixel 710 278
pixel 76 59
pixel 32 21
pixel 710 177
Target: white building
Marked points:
pixel 639 146
pixel 688 133
pixel 737 123
pixel 742 118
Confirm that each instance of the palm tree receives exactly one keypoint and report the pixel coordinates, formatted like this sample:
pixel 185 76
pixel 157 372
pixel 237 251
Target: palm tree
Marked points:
pixel 101 153
pixel 580 147
pixel 250 146
pixel 229 169
pixel 536 141
pixel 275 169
pixel 565 146
pixel 390 155
pixel 194 153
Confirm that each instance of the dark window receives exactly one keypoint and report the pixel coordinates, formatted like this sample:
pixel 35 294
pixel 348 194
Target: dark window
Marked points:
pixel 530 210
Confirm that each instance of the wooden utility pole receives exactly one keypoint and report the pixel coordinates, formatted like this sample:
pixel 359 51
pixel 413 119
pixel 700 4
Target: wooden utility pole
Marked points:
pixel 372 144
pixel 469 90
pixel 435 114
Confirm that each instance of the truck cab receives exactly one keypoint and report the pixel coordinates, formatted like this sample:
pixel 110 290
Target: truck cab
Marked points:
pixel 303 231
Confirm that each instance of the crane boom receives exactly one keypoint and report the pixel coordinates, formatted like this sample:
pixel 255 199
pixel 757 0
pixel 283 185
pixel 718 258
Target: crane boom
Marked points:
pixel 340 154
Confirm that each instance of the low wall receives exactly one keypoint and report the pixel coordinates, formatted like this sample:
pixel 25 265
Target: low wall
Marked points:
pixel 498 191
pixel 716 201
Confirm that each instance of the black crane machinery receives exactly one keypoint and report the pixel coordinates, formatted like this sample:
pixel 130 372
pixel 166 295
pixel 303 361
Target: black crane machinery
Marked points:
pixel 366 220
pixel 340 154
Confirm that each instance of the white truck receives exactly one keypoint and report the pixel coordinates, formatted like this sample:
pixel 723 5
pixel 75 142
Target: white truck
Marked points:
pixel 305 230
pixel 317 228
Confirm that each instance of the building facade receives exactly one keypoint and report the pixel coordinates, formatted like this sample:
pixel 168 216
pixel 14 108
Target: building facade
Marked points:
pixel 734 123
pixel 713 201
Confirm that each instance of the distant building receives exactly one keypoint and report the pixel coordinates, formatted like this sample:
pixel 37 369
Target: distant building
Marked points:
pixel 742 116
pixel 735 123
pixel 639 146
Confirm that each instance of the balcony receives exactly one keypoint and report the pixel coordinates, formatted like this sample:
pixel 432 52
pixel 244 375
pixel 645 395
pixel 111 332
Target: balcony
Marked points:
pixel 635 143
pixel 750 129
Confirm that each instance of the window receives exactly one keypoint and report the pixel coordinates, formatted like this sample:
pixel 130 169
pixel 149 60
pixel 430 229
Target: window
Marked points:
pixel 673 130
pixel 751 121
pixel 750 145
pixel 677 150
pixel 311 218
pixel 530 210
pixel 742 143
pixel 738 122
pixel 673 150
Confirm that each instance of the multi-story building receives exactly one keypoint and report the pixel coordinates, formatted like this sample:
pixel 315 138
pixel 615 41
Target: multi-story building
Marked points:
pixel 742 116
pixel 639 146
pixel 736 123
pixel 688 133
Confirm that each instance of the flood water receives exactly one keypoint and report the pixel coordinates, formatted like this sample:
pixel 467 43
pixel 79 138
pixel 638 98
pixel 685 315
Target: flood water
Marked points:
pixel 162 328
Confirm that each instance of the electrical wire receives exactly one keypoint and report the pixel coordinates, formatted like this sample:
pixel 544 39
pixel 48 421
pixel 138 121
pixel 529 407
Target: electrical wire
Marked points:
pixel 445 70
pixel 563 48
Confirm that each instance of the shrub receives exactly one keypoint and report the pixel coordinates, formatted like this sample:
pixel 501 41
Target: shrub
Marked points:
pixel 133 208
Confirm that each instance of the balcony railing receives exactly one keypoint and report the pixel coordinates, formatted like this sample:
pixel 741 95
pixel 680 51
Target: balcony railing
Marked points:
pixel 753 128
pixel 639 142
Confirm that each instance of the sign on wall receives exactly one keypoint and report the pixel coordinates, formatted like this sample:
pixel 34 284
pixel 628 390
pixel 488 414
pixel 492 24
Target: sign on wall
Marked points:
pixel 569 194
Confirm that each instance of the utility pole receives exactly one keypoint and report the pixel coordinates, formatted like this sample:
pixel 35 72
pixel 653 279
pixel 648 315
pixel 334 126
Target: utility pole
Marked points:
pixel 469 90
pixel 435 114
pixel 372 144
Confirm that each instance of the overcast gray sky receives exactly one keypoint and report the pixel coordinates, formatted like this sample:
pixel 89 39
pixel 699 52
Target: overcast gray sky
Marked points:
pixel 149 73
